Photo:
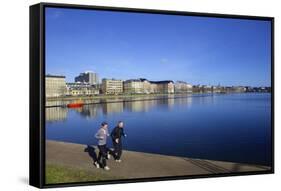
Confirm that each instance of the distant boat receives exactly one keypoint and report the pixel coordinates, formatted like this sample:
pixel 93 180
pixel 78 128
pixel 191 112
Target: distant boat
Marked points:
pixel 75 105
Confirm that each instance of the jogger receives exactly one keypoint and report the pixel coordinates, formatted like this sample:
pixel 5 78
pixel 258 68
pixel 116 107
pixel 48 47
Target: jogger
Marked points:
pixel 116 136
pixel 117 150
pixel 101 136
pixel 102 155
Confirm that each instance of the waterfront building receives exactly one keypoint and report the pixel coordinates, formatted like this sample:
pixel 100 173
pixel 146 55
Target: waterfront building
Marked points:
pixel 147 86
pixel 153 88
pixel 217 89
pixel 169 87
pixel 55 85
pixel 249 89
pixel 258 89
pixel 239 89
pixel 166 86
pixel 183 87
pixel 87 77
pixel 143 85
pixel 228 89
pixel 112 86
pixel 81 89
pixel 235 89
pixel 202 88
pixel 196 88
pixel 134 86
pixel 207 88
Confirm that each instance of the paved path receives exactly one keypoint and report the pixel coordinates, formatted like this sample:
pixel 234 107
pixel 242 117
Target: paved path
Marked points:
pixel 138 164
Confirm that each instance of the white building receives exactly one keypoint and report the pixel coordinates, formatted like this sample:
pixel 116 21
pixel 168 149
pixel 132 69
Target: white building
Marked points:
pixel 81 89
pixel 112 86
pixel 55 86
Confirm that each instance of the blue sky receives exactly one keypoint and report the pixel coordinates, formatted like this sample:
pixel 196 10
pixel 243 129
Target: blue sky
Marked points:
pixel 121 45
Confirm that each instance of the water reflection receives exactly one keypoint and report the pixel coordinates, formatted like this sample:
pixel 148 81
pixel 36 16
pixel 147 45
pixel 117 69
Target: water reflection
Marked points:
pixel 108 108
pixel 227 127
pixel 139 106
pixel 51 103
pixel 117 106
pixel 94 108
pixel 56 114
pixel 90 110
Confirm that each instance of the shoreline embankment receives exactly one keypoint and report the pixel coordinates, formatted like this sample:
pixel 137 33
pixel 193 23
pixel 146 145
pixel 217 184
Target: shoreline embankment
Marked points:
pixel 136 164
pixel 104 99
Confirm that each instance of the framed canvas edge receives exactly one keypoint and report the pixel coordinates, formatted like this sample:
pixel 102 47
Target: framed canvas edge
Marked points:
pixel 38 91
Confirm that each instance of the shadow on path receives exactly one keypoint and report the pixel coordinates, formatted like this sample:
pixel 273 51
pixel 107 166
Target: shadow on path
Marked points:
pixel 92 153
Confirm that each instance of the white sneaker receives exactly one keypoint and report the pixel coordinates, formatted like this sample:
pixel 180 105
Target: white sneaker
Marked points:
pixel 97 164
pixel 108 156
pixel 119 160
pixel 106 168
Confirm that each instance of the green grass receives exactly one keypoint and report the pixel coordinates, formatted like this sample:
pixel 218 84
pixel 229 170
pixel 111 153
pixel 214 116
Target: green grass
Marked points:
pixel 62 174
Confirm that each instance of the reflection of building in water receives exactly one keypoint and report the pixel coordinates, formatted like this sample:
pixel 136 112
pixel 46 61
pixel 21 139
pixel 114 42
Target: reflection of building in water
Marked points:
pixel 170 102
pixel 139 106
pixel 91 110
pixel 54 103
pixel 56 114
pixel 55 85
pixel 108 108
pixel 112 86
pixel 166 103
pixel 146 105
pixel 185 101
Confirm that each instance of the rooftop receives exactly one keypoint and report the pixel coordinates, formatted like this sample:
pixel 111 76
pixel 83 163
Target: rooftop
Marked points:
pixel 161 82
pixel 54 76
pixel 154 82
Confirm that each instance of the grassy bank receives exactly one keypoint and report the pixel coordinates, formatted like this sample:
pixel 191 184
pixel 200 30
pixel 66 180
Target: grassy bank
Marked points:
pixel 61 174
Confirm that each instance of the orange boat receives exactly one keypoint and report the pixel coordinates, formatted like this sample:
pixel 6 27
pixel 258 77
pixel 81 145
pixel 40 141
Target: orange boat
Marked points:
pixel 75 105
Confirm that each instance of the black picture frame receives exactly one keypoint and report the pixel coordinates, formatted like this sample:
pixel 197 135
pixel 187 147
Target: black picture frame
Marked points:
pixel 37 92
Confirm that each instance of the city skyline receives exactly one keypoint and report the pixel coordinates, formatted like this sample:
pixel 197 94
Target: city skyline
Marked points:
pixel 124 80
pixel 158 47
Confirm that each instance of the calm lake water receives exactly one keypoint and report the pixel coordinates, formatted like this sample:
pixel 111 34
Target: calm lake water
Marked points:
pixel 226 127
